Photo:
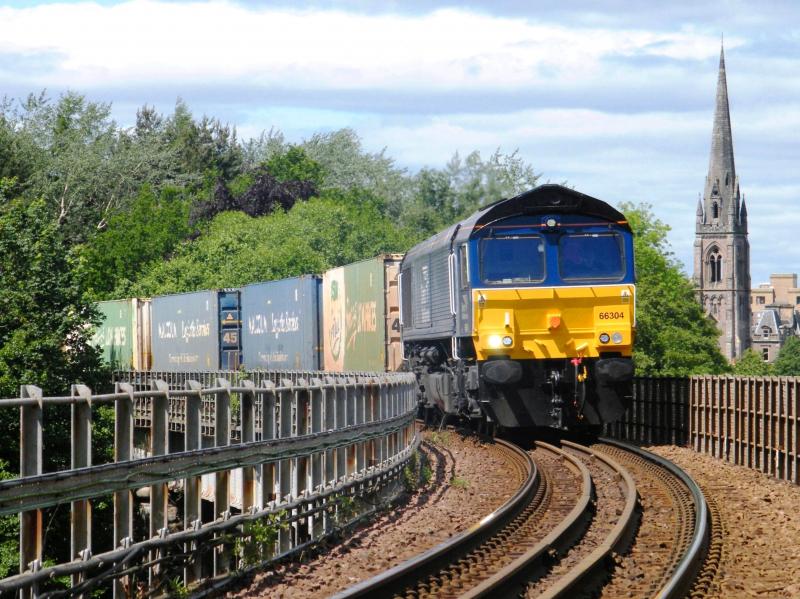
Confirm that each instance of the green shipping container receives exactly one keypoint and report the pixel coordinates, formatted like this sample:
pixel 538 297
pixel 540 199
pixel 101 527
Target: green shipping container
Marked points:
pixel 359 306
pixel 124 333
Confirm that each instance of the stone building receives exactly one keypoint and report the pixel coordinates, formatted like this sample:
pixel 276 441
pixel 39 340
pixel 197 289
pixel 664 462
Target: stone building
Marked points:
pixel 775 306
pixel 721 249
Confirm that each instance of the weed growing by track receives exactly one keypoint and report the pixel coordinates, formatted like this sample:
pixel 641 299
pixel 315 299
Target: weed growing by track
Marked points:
pixel 458 482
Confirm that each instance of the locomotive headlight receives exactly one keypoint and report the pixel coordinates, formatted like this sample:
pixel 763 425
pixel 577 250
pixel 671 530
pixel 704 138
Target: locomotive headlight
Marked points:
pixel 508 341
pixel 616 338
pixel 604 338
pixel 495 341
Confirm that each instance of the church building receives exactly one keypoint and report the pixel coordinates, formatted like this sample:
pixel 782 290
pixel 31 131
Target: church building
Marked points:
pixel 721 249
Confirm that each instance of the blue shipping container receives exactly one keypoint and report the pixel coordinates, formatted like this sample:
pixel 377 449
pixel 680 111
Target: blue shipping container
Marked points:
pixel 280 324
pixel 196 331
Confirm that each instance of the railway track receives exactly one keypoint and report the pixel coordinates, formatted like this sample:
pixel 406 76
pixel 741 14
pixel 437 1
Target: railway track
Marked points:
pixel 565 530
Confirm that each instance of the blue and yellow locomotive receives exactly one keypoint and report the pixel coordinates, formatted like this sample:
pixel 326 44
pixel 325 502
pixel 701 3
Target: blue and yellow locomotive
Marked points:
pixel 523 314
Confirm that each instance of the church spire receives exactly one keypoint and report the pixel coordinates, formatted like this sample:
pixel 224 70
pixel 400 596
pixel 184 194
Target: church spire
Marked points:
pixel 721 180
pixel 721 249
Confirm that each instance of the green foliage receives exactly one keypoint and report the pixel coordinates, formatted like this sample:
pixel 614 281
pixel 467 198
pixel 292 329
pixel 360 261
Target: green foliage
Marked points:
pixel 295 165
pixel 9 533
pixel 44 341
pixel 43 335
pixel 235 249
pixel 458 482
pixel 346 509
pixel 425 473
pixel 752 364
pixel 443 196
pixel 440 438
pixel 673 335
pixel 348 167
pixel 788 361
pixel 145 233
pixel 259 537
pixel 410 476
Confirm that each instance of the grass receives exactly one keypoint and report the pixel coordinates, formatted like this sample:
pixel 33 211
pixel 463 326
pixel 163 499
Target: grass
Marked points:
pixel 458 482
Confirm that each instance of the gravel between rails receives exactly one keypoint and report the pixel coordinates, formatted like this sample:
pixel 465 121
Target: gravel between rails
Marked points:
pixel 649 563
pixel 760 516
pixel 469 480
pixel 609 504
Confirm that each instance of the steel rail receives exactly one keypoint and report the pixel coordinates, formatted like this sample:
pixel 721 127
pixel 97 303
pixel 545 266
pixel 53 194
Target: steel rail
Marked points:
pixel 419 567
pixel 44 490
pixel 594 564
pixel 504 582
pixel 684 574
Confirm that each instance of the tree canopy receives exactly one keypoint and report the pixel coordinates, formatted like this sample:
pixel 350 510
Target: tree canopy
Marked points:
pixel 673 335
pixel 752 364
pixel 787 363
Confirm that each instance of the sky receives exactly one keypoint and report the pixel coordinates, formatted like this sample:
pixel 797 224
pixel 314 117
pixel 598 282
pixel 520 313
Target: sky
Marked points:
pixel 615 98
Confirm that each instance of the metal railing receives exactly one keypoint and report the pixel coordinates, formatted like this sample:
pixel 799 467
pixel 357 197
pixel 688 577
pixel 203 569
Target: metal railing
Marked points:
pixel 320 444
pixel 745 420
pixel 658 414
pixel 750 421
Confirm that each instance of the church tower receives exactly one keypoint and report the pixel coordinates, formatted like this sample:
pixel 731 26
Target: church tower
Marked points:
pixel 721 249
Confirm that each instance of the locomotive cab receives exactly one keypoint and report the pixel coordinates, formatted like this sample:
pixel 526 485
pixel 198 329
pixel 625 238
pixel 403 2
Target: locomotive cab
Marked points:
pixel 539 322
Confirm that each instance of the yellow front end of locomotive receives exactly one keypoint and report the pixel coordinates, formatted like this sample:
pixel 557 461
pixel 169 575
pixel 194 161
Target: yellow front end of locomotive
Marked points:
pixel 535 323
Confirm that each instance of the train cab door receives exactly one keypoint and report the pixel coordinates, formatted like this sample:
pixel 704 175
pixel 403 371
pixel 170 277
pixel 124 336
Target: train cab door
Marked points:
pixel 463 295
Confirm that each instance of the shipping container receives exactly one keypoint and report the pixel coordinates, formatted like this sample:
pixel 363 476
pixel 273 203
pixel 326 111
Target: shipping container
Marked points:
pixel 196 331
pixel 124 333
pixel 361 329
pixel 281 325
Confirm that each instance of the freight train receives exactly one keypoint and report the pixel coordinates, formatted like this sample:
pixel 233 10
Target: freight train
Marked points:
pixel 524 312
pixel 521 315
pixel 345 320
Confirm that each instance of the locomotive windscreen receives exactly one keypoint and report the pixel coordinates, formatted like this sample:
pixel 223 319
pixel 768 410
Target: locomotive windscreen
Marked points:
pixel 591 256
pixel 512 259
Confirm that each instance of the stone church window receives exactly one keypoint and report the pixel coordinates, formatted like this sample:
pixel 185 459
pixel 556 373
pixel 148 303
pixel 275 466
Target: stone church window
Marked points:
pixel 714 210
pixel 765 354
pixel 714 266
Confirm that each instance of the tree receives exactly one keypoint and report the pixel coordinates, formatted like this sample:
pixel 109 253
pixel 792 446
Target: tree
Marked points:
pixel 72 154
pixel 44 341
pixel 235 249
pixel 296 165
pixel 152 227
pixel 788 361
pixel 348 167
pixel 752 364
pixel 673 335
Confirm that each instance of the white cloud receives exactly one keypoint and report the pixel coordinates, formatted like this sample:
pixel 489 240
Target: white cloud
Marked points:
pixel 143 41
pixel 621 112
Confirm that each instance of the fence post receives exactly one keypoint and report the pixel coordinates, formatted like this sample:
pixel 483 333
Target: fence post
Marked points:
pixel 192 485
pixel 30 464
pixel 286 409
pixel 81 518
pixel 248 435
pixel 222 428
pixel 317 458
pixel 123 452
pixel 267 433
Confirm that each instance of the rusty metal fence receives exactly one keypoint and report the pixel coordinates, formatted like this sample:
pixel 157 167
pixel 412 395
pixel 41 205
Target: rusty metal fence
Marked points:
pixel 320 447
pixel 749 421
pixel 658 414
